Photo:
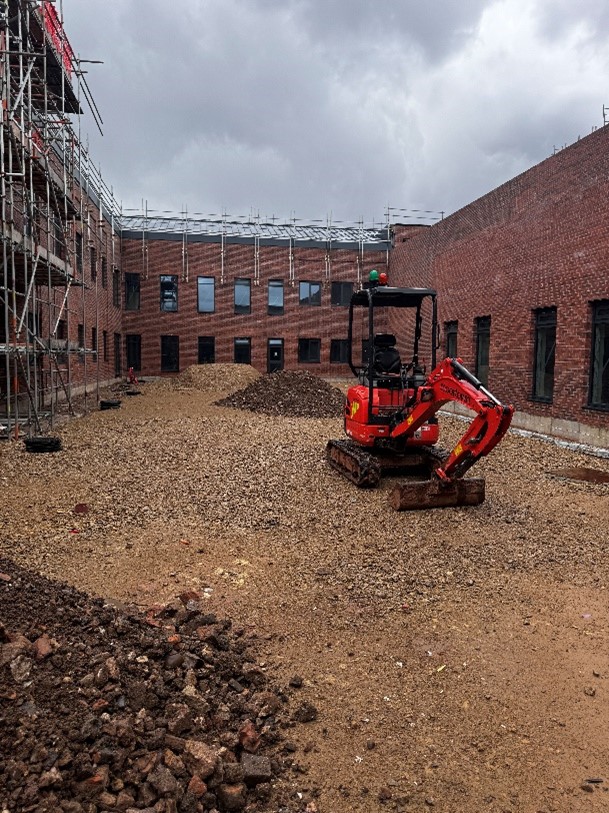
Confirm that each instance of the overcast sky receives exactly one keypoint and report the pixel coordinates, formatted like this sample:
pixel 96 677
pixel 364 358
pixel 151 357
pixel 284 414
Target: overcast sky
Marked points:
pixel 334 108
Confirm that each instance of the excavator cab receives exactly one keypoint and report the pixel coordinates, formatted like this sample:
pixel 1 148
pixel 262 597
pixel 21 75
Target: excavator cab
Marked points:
pixel 390 415
pixel 386 381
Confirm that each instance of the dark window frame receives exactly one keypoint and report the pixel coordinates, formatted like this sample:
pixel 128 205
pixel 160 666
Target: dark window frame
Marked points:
pixel 132 292
pixel 306 298
pixel 341 293
pixel 210 341
pixel 104 271
pixel 273 309
pixel 309 350
pixel 168 293
pixel 451 332
pixel 544 354
pixel 116 287
pixel 598 392
pixel 483 348
pixel 170 356
pixel 242 284
pixel 242 342
pixel 133 351
pixel 339 351
pixel 202 284
pixel 93 262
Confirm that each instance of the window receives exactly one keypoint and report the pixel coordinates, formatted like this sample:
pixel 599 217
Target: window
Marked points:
pixel 93 262
pixel 545 349
pixel 309 351
pixel 58 239
pixel 341 293
pixel 62 332
pixel 170 354
pixel 118 366
pixel 104 272
pixel 169 292
pixel 450 339
pixel 275 297
pixel 599 378
pixel 116 288
pixel 132 292
pixel 483 344
pixel 243 351
pixel 94 342
pixel 207 350
pixel 206 294
pixel 105 344
pixel 243 302
pixel 81 336
pixel 309 293
pixel 339 351
pixel 78 249
pixel 133 342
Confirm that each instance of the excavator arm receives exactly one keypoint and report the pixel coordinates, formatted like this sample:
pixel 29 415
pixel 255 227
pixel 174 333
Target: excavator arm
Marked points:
pixel 451 381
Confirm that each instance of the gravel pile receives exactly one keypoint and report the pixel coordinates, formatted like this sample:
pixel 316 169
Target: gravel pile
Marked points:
pixel 105 710
pixel 210 378
pixel 289 394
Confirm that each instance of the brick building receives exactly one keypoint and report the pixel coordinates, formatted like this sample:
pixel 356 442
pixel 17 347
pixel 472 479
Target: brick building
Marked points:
pixel 522 276
pixel 86 292
pixel 274 296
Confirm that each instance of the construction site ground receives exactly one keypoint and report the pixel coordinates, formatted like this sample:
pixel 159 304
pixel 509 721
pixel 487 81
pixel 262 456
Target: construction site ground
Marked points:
pixel 458 659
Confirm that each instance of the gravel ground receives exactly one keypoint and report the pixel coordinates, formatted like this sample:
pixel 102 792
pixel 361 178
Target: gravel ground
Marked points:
pixel 456 656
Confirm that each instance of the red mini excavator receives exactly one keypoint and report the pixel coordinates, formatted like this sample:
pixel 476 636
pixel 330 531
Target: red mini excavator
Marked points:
pixel 390 414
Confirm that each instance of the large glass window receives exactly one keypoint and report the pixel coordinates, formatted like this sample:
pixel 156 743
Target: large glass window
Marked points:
pixel 206 294
pixel 275 297
pixel 134 351
pixel 341 293
pixel 339 351
pixel 309 293
pixel 170 354
pixel 169 292
pixel 132 291
pixel 78 250
pixel 483 346
pixel 309 351
pixel 243 301
pixel 599 378
pixel 243 351
pixel 450 338
pixel 104 272
pixel 545 350
pixel 207 350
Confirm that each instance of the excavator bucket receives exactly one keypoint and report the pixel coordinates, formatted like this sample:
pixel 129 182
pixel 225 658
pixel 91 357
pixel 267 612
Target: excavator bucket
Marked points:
pixel 433 493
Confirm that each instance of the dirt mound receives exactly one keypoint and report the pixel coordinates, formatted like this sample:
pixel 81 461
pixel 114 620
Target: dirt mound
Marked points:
pixel 102 709
pixel 289 394
pixel 212 378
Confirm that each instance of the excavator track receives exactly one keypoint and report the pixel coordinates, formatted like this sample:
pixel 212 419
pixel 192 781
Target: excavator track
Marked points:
pixel 353 463
pixel 365 468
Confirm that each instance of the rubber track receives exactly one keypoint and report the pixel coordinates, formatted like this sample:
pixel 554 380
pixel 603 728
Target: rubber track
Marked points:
pixel 353 463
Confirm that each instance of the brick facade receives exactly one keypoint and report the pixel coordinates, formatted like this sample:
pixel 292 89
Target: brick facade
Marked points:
pixel 298 321
pixel 539 241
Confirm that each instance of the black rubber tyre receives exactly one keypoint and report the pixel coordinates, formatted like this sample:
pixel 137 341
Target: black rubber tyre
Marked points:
pixel 42 445
pixel 109 404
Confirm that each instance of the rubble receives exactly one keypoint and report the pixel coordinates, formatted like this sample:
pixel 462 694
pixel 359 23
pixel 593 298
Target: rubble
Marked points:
pixel 102 709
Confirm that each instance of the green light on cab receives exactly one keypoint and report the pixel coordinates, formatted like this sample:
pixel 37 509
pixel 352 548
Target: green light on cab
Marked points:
pixel 374 276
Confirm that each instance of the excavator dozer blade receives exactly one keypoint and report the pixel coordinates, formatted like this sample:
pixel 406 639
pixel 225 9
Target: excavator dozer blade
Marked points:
pixel 420 494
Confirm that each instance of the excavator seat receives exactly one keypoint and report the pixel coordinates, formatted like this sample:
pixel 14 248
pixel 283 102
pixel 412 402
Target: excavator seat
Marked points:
pixel 387 363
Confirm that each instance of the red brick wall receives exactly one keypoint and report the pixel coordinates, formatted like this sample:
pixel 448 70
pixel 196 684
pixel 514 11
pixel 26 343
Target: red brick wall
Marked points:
pixel 325 322
pixel 540 240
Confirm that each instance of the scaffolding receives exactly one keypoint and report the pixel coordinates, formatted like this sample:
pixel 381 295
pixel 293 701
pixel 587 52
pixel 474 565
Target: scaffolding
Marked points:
pixel 51 199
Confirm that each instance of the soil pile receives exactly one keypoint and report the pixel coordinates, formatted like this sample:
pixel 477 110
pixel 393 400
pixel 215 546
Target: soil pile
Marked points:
pixel 289 394
pixel 102 710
